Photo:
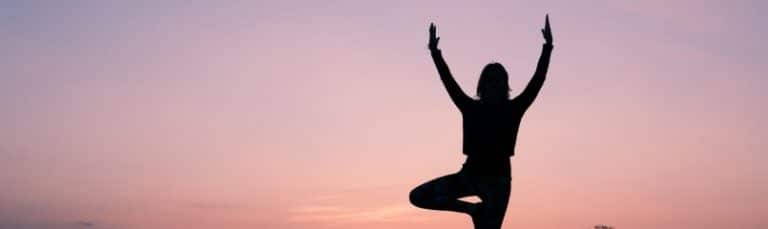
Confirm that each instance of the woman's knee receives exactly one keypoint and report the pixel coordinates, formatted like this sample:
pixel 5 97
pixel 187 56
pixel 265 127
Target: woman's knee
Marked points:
pixel 417 196
pixel 431 193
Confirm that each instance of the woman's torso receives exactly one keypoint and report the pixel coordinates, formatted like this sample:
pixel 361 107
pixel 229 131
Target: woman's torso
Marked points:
pixel 489 136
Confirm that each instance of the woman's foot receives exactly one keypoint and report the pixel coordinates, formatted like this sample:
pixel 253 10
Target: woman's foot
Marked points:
pixel 475 211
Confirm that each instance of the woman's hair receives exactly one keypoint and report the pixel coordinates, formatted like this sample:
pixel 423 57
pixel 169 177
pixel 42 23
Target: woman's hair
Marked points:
pixel 493 83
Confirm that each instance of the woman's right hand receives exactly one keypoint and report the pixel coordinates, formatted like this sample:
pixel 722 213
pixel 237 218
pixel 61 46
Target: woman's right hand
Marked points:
pixel 433 39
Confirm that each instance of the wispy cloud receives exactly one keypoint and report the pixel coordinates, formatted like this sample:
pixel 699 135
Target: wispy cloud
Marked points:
pixel 213 206
pixel 340 214
pixel 48 224
pixel 85 223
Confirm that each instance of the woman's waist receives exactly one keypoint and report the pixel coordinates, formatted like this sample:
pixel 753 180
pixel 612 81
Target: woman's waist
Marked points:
pixel 492 166
pixel 487 159
pixel 494 151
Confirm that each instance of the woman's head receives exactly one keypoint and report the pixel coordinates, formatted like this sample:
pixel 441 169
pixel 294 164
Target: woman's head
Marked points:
pixel 493 84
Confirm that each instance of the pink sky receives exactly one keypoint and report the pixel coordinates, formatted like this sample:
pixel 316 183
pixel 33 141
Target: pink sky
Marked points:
pixel 324 114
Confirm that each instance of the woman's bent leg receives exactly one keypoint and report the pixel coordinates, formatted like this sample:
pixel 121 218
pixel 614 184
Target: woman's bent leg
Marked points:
pixel 442 194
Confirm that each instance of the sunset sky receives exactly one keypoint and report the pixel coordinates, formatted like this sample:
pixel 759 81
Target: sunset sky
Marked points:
pixel 324 114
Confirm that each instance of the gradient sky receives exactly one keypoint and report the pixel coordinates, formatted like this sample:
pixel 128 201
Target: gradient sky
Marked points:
pixel 324 114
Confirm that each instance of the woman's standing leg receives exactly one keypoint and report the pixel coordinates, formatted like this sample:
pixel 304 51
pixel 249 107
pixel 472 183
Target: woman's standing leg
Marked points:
pixel 443 193
pixel 494 193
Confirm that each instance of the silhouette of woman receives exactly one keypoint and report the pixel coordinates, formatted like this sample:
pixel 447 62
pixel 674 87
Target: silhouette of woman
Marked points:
pixel 490 127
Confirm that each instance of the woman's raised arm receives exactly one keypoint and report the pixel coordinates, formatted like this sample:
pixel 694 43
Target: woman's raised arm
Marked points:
pixel 454 90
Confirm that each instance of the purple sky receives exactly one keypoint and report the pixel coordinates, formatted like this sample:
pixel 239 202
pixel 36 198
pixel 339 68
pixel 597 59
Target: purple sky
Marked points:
pixel 323 114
